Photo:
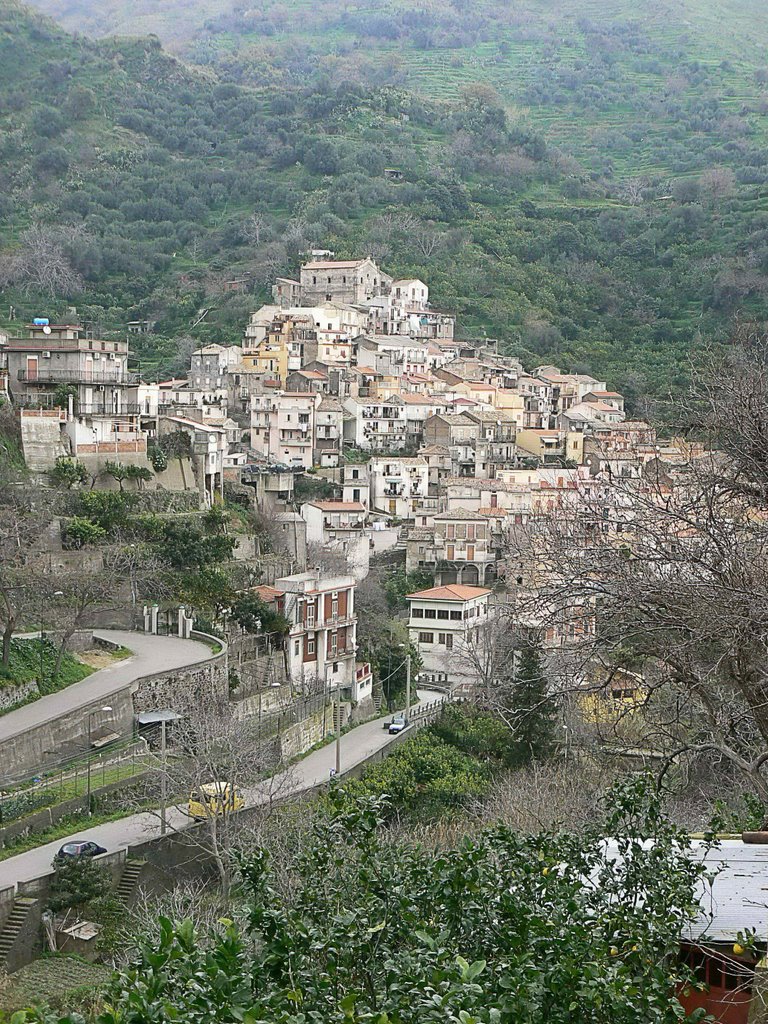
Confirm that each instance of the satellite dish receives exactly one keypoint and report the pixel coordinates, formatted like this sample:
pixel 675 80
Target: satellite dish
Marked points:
pixel 46 329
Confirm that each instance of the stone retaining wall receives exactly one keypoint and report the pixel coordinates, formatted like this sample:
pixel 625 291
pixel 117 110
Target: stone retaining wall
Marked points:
pixel 12 695
pixel 181 688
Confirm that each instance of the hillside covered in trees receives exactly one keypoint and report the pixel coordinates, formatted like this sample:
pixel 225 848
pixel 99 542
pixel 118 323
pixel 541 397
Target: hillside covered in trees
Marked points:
pixel 585 187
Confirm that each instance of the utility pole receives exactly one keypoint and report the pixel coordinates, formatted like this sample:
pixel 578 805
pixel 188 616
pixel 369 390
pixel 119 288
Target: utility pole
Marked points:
pixel 338 731
pixel 407 687
pixel 163 781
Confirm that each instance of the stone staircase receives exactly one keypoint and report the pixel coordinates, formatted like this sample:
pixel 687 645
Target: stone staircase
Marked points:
pixel 129 880
pixel 377 696
pixel 22 908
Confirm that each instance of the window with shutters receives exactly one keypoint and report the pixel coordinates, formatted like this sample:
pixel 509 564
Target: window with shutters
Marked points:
pixel 426 638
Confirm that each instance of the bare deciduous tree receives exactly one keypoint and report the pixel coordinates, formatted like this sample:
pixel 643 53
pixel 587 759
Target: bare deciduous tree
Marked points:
pixel 24 583
pixel 667 576
pixel 42 262
pixel 254 227
pixel 217 757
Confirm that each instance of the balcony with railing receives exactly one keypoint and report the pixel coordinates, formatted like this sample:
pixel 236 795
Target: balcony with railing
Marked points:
pixel 46 375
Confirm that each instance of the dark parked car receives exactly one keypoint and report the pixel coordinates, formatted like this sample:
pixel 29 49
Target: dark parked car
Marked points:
pixel 81 848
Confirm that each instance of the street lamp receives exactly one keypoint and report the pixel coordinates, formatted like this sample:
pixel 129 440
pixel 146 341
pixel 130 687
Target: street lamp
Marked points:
pixel 105 710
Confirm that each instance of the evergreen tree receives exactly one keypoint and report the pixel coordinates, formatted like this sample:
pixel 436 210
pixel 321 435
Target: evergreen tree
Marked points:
pixel 533 710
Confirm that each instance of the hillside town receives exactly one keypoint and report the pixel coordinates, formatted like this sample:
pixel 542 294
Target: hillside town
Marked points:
pixel 361 444
pixel 350 386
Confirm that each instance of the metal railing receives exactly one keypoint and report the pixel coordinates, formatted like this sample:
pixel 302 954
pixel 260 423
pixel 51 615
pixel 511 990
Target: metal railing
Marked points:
pixel 119 762
pixel 100 409
pixel 45 375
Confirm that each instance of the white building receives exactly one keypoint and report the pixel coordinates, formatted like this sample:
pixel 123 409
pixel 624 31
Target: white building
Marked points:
pixel 446 623
pixel 283 427
pixel 399 486
pixel 329 432
pixel 375 425
pixel 356 485
pixel 340 526
pixel 209 446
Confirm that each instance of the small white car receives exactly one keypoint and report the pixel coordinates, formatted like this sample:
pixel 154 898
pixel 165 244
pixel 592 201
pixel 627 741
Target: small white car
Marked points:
pixel 397 724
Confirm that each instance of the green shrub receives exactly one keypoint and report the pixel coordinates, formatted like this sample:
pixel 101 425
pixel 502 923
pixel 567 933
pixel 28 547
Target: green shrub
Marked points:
pixel 79 532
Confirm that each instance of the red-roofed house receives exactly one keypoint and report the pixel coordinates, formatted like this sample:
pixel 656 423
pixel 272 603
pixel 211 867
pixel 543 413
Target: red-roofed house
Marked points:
pixel 444 623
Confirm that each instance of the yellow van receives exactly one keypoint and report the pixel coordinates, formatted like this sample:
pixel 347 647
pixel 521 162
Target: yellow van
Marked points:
pixel 215 799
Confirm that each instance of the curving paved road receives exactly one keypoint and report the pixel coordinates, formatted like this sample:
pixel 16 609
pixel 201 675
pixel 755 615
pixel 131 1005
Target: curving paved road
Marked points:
pixel 356 745
pixel 150 654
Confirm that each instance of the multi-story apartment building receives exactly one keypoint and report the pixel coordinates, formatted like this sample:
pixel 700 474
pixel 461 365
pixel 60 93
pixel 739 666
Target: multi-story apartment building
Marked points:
pixel 321 642
pixel 356 483
pixel 392 354
pixel 399 486
pixel 85 382
pixel 279 342
pixel 340 526
pixel 446 624
pixel 329 432
pixel 209 445
pixel 283 427
pixel 375 425
pixel 459 548
pixel 418 409
pixel 537 395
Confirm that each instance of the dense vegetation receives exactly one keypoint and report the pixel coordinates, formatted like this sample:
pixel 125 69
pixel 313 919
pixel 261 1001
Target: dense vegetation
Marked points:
pixel 36 660
pixel 584 187
pixel 352 924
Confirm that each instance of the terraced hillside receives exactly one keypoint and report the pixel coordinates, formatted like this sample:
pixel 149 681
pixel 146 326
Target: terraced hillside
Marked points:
pixel 584 181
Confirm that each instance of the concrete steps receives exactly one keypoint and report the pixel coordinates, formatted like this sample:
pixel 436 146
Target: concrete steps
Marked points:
pixel 377 696
pixel 129 880
pixel 22 907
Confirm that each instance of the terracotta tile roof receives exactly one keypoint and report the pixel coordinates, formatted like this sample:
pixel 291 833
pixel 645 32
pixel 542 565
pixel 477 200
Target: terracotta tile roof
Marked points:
pixel 338 506
pixel 267 593
pixel 333 265
pixel 453 592
pixel 459 513
pixel 492 512
pixel 421 533
pixel 435 449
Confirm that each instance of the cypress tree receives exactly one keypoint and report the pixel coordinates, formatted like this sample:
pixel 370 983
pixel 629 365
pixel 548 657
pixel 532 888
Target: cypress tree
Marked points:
pixel 533 710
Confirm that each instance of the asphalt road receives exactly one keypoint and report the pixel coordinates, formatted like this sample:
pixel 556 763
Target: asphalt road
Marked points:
pixel 151 654
pixel 356 746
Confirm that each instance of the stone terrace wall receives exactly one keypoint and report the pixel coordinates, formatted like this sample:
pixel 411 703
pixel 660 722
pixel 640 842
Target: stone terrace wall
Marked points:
pixel 181 688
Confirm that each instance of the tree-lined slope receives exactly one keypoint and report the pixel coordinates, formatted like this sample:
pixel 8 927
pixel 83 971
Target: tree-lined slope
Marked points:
pixel 586 188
